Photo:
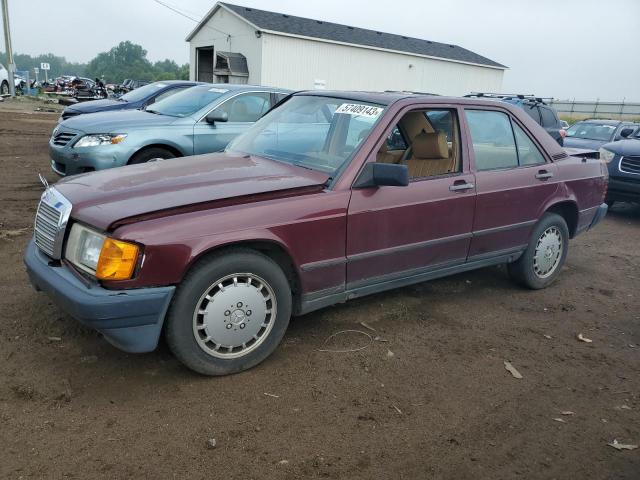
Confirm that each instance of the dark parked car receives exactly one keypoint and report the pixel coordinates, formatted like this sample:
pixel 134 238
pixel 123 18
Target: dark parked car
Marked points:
pixel 134 100
pixel 592 134
pixel 536 107
pixel 330 196
pixel 623 160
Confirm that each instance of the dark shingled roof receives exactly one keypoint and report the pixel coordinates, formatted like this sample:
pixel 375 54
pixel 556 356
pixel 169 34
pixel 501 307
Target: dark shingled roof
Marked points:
pixel 307 27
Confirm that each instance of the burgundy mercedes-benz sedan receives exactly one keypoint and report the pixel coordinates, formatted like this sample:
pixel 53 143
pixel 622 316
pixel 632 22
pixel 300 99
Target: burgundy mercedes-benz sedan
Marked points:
pixel 330 196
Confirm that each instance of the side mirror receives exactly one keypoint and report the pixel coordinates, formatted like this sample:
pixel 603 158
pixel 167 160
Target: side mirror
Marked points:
pixel 216 116
pixel 625 132
pixel 383 174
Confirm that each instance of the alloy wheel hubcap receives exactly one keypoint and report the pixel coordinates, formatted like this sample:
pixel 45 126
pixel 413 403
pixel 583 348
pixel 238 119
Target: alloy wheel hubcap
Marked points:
pixel 234 315
pixel 548 252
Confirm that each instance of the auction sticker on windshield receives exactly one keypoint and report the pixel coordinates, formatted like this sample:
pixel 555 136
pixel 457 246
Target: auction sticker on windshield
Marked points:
pixel 218 90
pixel 359 110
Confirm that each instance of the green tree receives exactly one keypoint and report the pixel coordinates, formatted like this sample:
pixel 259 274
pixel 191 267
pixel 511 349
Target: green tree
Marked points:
pixel 125 60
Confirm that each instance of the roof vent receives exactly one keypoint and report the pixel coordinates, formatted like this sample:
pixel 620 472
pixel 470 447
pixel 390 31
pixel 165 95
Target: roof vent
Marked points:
pixel 452 46
pixel 406 38
pixel 429 41
pixel 350 28
pixel 248 9
pixel 285 16
pixel 320 22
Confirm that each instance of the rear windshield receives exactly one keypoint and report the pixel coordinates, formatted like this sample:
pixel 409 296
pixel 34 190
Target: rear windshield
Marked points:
pixel 591 131
pixel 187 102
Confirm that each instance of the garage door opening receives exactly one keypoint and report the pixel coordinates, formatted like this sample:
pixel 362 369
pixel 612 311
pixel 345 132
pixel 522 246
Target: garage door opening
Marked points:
pixel 204 64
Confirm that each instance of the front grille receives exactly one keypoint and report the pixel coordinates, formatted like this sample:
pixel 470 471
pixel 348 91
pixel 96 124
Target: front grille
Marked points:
pixel 51 219
pixel 630 165
pixel 63 138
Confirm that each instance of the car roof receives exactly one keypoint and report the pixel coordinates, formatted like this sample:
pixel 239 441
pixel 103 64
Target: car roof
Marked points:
pixel 239 87
pixel 387 98
pixel 603 121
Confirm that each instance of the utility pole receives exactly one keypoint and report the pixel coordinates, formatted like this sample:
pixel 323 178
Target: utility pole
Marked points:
pixel 7 42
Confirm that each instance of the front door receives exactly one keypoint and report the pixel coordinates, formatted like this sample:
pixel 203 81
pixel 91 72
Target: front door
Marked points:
pixel 513 181
pixel 242 110
pixel 398 232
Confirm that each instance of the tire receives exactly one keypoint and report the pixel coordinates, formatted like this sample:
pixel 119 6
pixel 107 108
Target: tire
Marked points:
pixel 143 156
pixel 542 261
pixel 204 320
pixel 4 88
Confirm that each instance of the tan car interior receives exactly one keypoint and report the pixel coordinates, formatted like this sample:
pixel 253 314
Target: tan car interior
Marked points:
pixel 429 153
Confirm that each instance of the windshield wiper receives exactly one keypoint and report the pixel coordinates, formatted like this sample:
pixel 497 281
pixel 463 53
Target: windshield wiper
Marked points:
pixel 151 110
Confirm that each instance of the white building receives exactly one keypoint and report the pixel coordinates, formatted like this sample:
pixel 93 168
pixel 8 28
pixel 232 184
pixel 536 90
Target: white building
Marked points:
pixel 245 45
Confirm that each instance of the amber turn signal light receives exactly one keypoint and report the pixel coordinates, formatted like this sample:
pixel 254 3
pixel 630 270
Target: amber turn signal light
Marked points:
pixel 117 260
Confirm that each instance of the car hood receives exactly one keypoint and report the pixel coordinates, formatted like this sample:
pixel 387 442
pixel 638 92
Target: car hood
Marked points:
pixel 96 106
pixel 582 143
pixel 624 147
pixel 109 196
pixel 119 121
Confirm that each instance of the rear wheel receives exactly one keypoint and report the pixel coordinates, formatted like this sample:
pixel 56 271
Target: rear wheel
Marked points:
pixel 540 264
pixel 4 88
pixel 152 153
pixel 229 313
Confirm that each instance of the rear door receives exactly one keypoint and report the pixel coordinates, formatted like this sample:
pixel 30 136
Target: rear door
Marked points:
pixel 243 110
pixel 513 181
pixel 394 233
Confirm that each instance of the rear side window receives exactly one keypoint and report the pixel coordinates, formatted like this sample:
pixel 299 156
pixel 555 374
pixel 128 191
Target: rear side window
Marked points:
pixel 548 117
pixel 528 152
pixel 493 141
pixel 533 112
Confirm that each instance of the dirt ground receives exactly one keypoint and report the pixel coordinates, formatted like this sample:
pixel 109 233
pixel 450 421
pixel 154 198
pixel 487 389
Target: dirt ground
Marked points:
pixel 431 401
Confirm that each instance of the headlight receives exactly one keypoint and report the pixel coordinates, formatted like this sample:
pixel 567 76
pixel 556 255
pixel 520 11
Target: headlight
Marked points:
pixel 104 257
pixel 606 155
pixel 101 139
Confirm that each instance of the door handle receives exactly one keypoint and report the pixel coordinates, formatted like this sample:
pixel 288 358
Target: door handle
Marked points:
pixel 543 175
pixel 461 186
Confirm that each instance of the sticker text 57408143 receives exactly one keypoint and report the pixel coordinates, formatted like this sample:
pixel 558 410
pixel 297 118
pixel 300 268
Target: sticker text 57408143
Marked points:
pixel 359 110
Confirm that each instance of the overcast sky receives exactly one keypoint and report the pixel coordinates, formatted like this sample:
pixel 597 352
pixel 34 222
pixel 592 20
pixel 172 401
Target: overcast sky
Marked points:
pixel 583 49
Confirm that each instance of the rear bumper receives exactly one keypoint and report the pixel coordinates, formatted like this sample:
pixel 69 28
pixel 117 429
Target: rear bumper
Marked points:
pixel 131 320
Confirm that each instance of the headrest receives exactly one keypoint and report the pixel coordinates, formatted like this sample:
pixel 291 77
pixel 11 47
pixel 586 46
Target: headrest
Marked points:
pixel 430 146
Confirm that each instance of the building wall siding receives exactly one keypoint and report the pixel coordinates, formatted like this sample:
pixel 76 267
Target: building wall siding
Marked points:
pixel 298 63
pixel 242 40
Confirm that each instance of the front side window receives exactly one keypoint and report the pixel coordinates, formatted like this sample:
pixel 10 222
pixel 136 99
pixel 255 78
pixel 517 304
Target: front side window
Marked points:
pixel 426 141
pixel 247 107
pixel 493 141
pixel 187 102
pixel 316 132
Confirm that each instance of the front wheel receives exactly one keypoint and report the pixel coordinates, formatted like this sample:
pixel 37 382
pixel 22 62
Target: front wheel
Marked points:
pixel 230 313
pixel 540 264
pixel 151 153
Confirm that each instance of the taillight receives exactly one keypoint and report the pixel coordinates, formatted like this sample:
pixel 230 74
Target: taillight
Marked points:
pixel 563 132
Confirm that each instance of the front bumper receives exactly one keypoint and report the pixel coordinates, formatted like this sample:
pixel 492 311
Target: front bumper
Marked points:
pixel 131 320
pixel 624 189
pixel 72 161
pixel 600 214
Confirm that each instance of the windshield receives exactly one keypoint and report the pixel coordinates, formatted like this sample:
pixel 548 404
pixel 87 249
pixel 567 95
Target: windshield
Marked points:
pixel 320 133
pixel 187 102
pixel 143 92
pixel 591 131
